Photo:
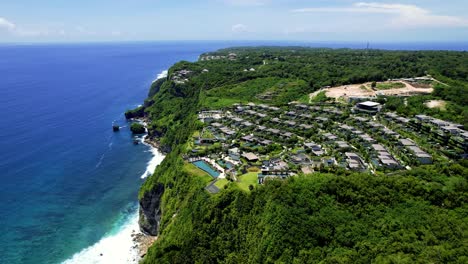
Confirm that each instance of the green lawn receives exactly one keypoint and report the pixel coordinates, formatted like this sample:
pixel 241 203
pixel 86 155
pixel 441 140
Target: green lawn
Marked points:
pixel 220 183
pixel 193 170
pixel 248 179
pixel 196 134
pixel 390 85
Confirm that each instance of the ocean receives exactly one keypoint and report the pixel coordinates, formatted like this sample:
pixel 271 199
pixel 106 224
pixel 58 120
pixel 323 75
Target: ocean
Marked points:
pixel 68 184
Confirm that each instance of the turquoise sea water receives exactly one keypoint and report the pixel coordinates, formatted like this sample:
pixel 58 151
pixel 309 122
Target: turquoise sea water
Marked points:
pixel 68 184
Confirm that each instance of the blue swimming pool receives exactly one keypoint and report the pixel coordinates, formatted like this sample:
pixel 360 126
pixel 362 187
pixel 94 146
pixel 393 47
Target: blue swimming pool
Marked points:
pixel 224 164
pixel 206 167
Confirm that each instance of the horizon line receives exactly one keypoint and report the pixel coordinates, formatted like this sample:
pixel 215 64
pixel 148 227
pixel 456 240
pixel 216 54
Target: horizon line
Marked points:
pixel 230 40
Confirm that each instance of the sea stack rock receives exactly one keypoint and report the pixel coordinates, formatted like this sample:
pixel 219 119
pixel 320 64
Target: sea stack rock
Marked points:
pixel 137 128
pixel 116 128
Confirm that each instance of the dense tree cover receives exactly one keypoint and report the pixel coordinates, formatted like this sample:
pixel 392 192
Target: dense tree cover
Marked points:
pixel 415 216
pixel 137 128
pixel 418 217
pixel 135 113
pixel 155 87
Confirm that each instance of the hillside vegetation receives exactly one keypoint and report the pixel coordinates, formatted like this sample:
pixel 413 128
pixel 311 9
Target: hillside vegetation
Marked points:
pixel 417 216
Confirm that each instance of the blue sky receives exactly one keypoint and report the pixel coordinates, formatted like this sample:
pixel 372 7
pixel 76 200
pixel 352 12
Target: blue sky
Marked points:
pixel 293 20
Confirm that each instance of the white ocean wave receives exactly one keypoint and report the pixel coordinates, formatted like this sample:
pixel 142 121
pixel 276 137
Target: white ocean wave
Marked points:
pixel 118 248
pixel 161 75
pixel 154 162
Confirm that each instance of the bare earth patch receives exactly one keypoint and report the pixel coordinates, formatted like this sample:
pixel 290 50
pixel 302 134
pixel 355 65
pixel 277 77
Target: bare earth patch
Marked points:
pixel 441 104
pixel 364 90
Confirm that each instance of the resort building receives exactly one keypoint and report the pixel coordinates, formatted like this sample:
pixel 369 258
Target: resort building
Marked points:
pixel 368 107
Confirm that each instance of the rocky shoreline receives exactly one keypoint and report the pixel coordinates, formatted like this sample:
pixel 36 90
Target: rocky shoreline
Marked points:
pixel 142 242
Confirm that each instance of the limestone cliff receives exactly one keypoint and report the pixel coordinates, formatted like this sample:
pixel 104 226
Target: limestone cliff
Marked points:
pixel 150 210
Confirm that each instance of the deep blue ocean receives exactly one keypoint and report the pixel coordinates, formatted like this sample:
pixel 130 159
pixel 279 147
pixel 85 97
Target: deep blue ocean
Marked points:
pixel 66 180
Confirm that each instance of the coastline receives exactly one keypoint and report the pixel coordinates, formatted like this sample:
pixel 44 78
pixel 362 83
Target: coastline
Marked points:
pixel 142 242
pixel 126 243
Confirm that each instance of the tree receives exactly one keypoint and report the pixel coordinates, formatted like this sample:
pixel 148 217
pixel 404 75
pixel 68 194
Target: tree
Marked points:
pixel 137 128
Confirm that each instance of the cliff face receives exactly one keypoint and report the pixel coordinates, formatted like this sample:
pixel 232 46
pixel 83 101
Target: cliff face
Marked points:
pixel 150 210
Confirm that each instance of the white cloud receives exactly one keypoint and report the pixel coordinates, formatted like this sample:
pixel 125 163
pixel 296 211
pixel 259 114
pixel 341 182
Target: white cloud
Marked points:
pixel 247 2
pixel 19 31
pixel 116 33
pixel 239 28
pixel 5 24
pixel 84 31
pixel 401 15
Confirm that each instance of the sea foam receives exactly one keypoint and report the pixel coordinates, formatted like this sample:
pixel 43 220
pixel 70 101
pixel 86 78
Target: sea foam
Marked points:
pixel 157 158
pixel 161 75
pixel 117 248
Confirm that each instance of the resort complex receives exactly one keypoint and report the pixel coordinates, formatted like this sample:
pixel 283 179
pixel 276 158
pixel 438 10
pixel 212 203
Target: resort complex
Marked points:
pixel 260 141
pixel 299 155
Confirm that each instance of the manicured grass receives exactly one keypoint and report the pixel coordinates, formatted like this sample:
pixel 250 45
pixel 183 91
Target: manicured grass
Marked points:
pixel 245 180
pixel 218 102
pixel 196 134
pixel 390 85
pixel 220 183
pixel 193 170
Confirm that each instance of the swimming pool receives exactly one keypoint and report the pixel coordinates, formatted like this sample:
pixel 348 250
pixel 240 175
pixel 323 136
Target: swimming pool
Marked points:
pixel 207 168
pixel 228 165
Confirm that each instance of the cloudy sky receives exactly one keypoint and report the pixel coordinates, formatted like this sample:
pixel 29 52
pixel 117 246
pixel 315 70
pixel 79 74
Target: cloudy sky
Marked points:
pixel 312 20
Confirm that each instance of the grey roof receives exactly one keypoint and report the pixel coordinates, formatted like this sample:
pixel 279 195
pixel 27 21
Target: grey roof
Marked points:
pixel 361 119
pixel 352 155
pixel 250 156
pixel 323 119
pixel 342 144
pixel 330 136
pixel 273 130
pixel 311 144
pixel 378 147
pixel 407 142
